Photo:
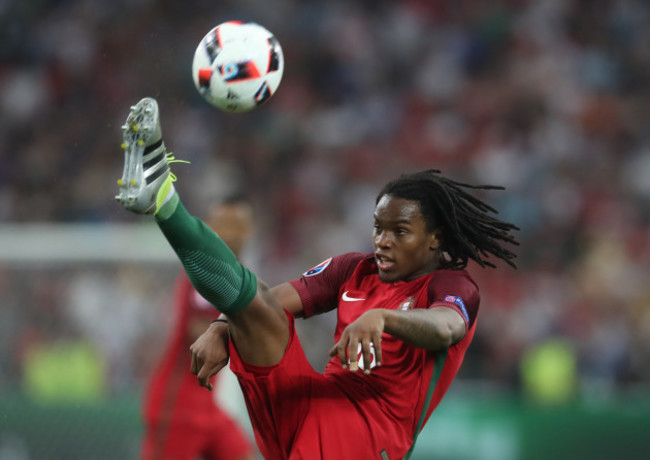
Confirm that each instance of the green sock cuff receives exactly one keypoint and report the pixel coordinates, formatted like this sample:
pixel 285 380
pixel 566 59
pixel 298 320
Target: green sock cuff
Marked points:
pixel 247 294
pixel 165 211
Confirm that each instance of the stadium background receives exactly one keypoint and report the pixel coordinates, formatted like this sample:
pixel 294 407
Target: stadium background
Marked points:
pixel 549 98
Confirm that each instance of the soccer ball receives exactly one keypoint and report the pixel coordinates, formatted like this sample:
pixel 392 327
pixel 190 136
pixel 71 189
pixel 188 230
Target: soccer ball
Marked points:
pixel 237 66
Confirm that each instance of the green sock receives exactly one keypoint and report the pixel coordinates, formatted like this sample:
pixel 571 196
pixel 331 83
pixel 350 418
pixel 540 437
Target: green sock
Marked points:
pixel 209 263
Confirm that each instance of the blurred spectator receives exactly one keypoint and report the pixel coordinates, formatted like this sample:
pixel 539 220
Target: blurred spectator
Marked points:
pixel 548 98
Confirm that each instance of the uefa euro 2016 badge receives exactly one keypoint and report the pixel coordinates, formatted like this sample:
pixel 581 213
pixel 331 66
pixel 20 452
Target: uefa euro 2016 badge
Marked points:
pixel 408 304
pixel 318 268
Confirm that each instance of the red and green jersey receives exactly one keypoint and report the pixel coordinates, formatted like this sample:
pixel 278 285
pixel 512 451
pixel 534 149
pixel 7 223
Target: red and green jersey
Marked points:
pixel 411 381
pixel 300 414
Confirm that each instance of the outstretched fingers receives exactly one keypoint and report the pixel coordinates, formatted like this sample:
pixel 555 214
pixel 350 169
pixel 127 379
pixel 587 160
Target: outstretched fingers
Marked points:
pixel 340 349
pixel 360 342
pixel 356 352
pixel 376 341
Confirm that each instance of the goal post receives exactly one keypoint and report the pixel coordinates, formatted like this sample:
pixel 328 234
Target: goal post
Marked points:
pixel 28 244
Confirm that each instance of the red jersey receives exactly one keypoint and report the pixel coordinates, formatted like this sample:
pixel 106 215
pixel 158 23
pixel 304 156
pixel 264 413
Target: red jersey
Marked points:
pixel 411 381
pixel 173 391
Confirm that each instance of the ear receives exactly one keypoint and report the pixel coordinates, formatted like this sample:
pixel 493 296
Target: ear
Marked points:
pixel 435 240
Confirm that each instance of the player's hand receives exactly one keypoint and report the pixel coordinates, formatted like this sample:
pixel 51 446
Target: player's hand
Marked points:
pixel 210 353
pixel 362 338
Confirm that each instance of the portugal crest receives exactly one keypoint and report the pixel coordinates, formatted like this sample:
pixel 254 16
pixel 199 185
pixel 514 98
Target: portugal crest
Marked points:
pixel 408 304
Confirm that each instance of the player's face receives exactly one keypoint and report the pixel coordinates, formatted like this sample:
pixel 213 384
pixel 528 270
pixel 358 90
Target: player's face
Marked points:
pixel 233 223
pixel 404 250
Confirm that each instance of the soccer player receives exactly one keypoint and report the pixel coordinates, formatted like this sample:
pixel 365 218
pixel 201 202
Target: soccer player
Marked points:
pixel 406 313
pixel 182 420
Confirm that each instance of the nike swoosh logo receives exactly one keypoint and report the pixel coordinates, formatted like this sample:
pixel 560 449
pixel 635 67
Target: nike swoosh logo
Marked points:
pixel 347 298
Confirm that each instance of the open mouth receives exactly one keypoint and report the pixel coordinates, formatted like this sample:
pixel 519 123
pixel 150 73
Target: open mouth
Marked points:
pixel 384 263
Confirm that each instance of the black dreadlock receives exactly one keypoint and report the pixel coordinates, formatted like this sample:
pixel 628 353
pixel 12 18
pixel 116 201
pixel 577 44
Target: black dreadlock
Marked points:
pixel 468 231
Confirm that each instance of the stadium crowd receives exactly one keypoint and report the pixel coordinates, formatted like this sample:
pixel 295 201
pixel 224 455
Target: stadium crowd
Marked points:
pixel 549 99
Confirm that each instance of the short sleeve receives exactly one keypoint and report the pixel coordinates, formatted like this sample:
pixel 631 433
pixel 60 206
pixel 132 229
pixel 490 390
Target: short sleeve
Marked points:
pixel 318 287
pixel 455 289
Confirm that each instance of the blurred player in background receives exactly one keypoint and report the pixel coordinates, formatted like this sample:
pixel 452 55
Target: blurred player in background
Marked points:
pixel 406 313
pixel 183 421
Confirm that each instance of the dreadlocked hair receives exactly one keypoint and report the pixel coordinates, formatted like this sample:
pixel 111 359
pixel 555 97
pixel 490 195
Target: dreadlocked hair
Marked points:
pixel 468 229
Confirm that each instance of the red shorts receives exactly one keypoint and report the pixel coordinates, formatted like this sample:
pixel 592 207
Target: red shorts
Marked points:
pixel 297 413
pixel 223 439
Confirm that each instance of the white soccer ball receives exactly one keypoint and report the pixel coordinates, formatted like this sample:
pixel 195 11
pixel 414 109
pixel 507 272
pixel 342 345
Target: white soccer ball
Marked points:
pixel 238 66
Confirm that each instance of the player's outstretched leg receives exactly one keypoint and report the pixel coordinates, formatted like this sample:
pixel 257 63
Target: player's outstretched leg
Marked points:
pixel 146 166
pixel 146 187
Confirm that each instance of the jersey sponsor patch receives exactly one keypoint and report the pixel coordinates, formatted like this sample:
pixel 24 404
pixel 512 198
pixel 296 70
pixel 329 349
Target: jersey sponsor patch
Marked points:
pixel 318 268
pixel 458 301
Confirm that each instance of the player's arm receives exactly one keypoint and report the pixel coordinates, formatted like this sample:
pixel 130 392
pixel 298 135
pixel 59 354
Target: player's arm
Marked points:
pixel 289 299
pixel 431 329
pixel 453 305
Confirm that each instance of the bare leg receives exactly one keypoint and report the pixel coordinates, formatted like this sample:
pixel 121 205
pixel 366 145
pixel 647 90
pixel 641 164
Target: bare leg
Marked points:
pixel 260 331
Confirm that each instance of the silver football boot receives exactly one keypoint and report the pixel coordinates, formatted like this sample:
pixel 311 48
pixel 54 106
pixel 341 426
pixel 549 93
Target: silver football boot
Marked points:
pixel 146 165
